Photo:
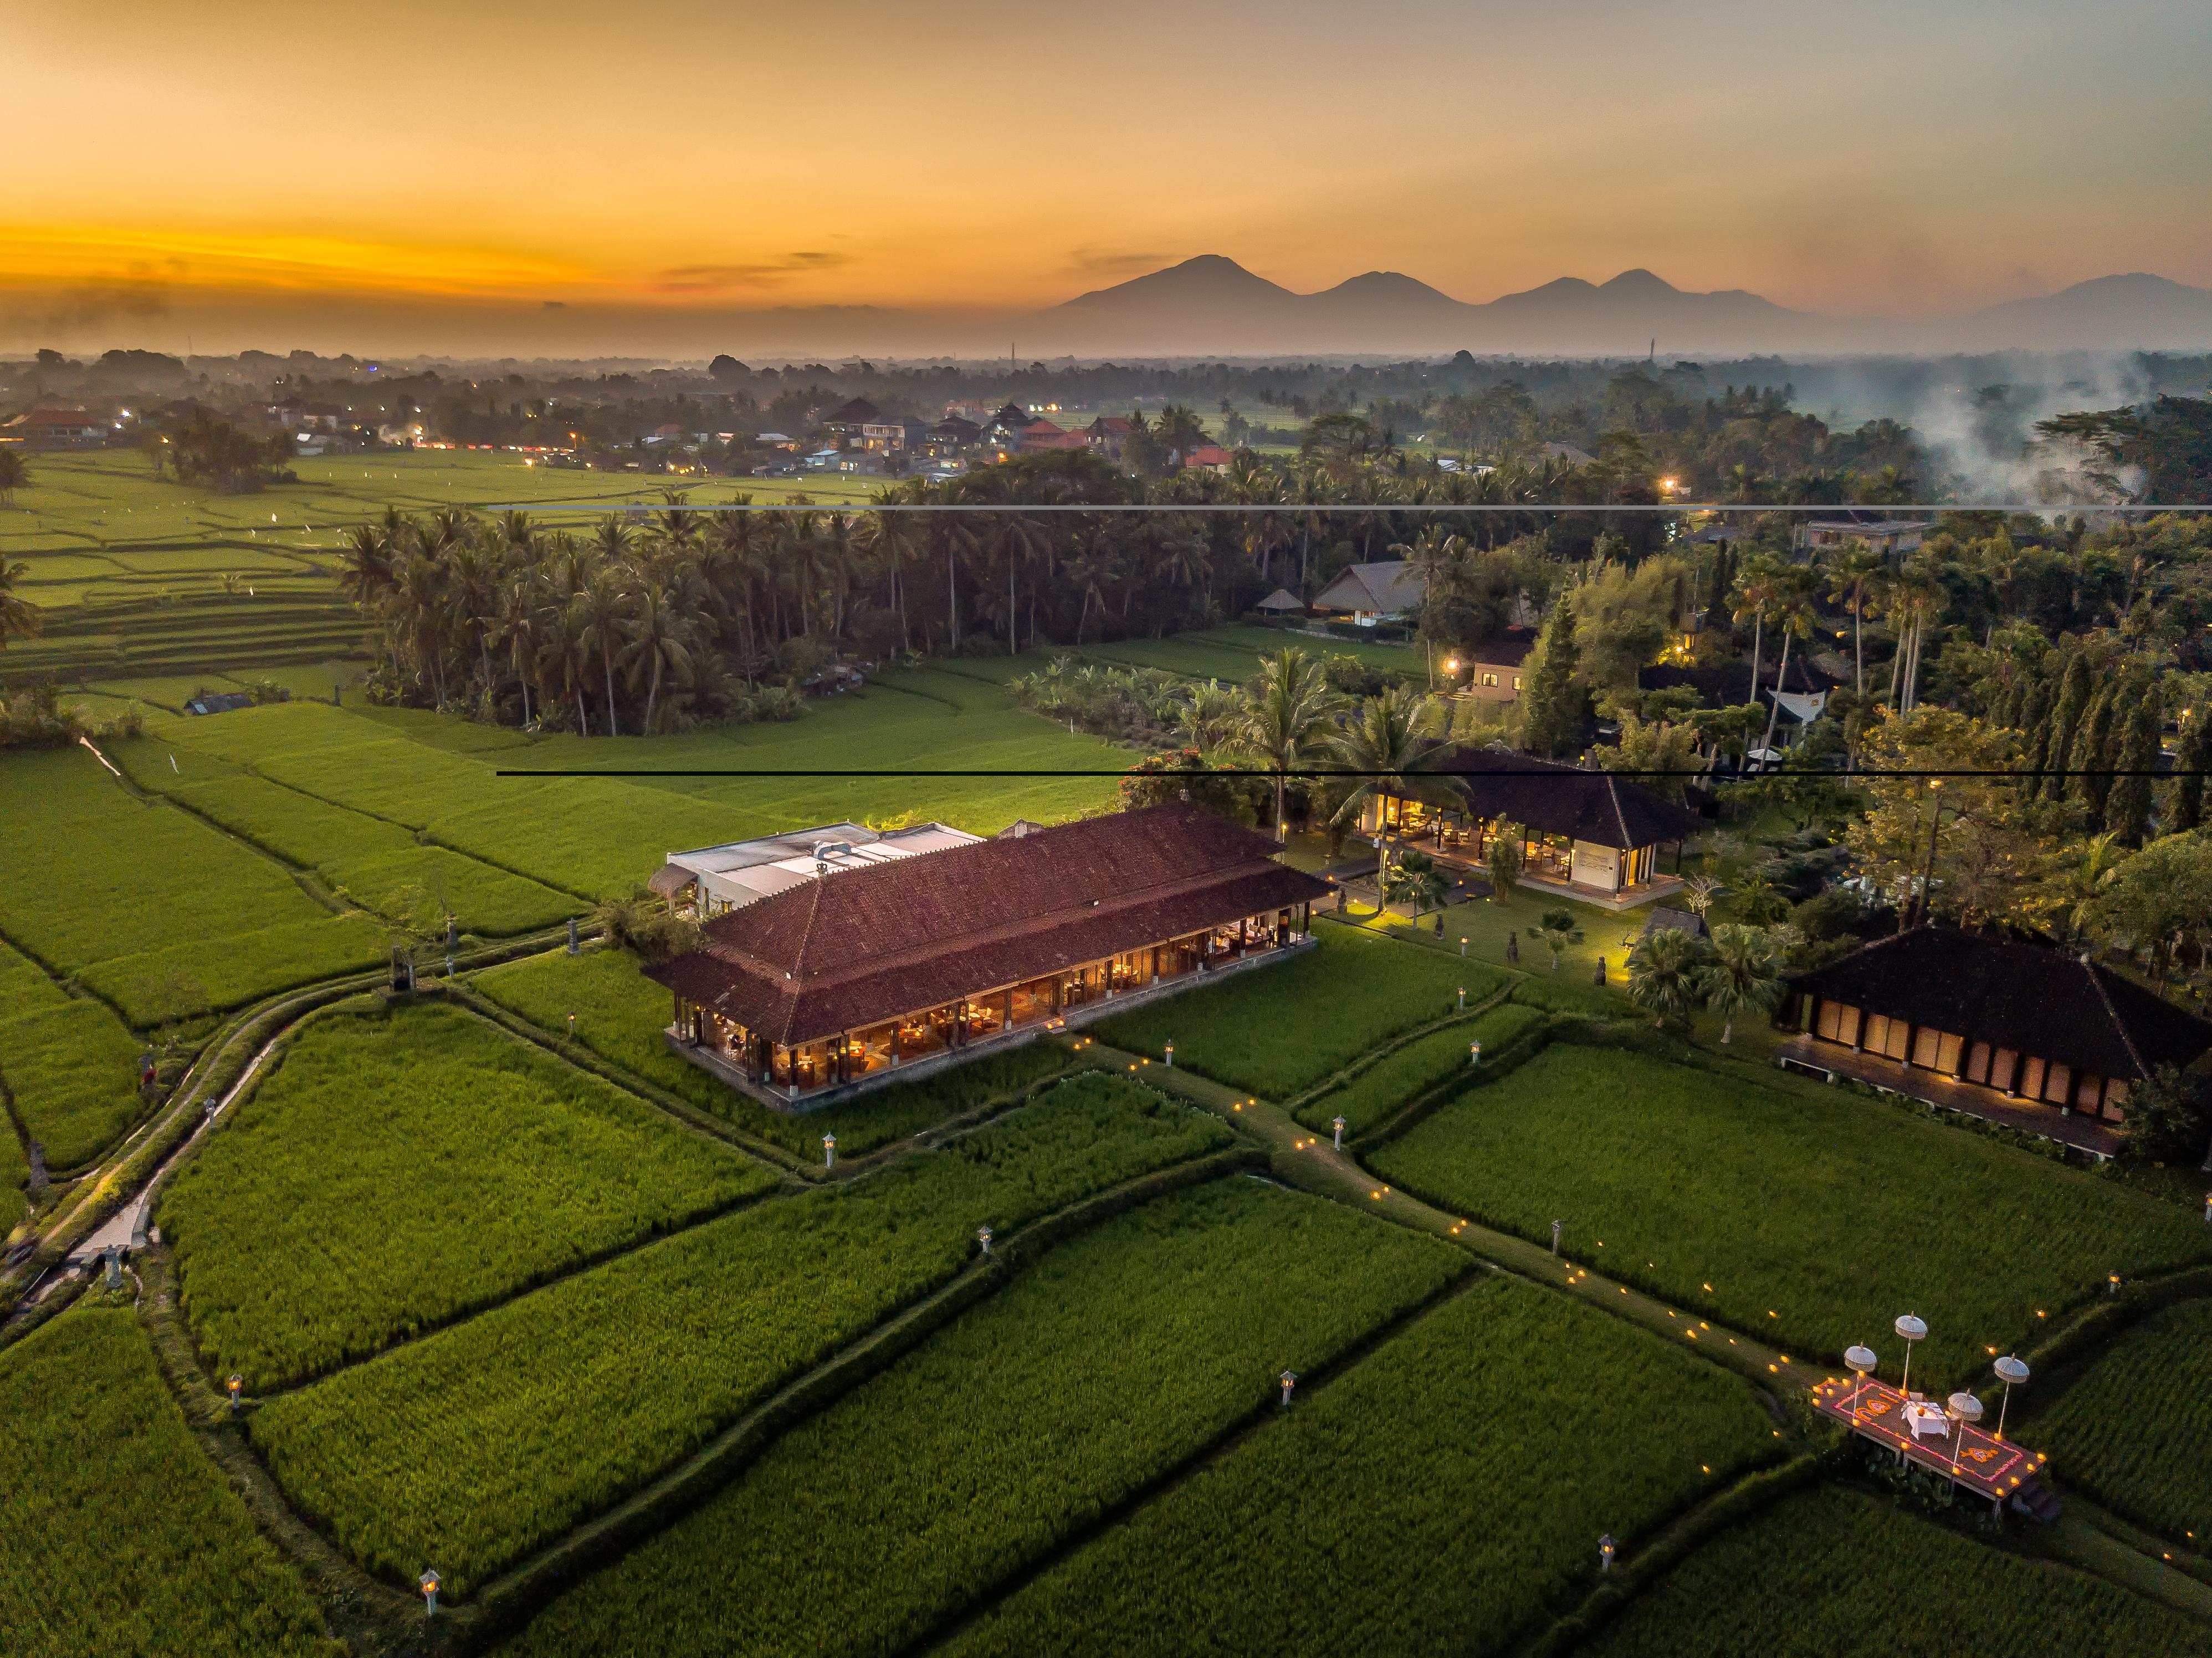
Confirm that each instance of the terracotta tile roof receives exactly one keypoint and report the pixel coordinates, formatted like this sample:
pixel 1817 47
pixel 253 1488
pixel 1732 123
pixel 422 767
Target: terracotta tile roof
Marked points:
pixel 2025 997
pixel 836 954
pixel 1552 798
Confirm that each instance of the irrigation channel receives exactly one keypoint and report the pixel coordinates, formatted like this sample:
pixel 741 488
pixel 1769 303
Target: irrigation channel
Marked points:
pixel 112 1205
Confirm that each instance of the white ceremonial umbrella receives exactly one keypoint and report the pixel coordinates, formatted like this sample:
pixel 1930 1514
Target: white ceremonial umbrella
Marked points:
pixel 1961 1408
pixel 1912 1330
pixel 2012 1372
pixel 1861 1359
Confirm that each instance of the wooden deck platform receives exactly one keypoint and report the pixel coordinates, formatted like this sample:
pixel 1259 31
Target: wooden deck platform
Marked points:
pixel 1996 1470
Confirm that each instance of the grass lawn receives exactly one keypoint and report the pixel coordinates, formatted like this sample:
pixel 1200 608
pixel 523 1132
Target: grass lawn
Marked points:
pixel 70 1064
pixel 547 1408
pixel 1114 1356
pixel 1279 1028
pixel 1833 1572
pixel 118 1536
pixel 396 1170
pixel 621 1013
pixel 2134 1430
pixel 1433 1499
pixel 1810 1216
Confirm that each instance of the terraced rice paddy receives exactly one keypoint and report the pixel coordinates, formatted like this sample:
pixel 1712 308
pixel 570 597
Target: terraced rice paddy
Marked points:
pixel 1104 1364
pixel 2135 1429
pixel 117 1534
pixel 397 1170
pixel 1810 1216
pixel 1833 1571
pixel 548 1407
pixel 70 1066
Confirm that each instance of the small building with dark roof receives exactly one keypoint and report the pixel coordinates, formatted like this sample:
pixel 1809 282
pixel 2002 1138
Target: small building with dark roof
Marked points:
pixel 847 981
pixel 1383 591
pixel 1950 1016
pixel 1493 667
pixel 1588 834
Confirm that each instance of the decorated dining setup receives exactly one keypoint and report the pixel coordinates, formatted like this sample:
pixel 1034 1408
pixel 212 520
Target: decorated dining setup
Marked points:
pixel 1943 1437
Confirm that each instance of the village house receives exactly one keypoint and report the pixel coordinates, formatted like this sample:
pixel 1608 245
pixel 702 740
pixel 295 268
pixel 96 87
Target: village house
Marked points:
pixel 57 428
pixel 2040 1038
pixel 1388 591
pixel 842 424
pixel 853 976
pixel 1108 434
pixel 953 435
pixel 894 434
pixel 1586 835
pixel 1493 667
pixel 1890 537
pixel 1041 435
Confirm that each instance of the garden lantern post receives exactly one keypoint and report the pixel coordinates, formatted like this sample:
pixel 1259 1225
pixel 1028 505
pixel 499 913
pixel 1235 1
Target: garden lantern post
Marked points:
pixel 1558 1226
pixel 428 1582
pixel 1462 944
pixel 1462 999
pixel 1290 1380
pixel 573 947
pixel 1605 1552
pixel 235 1385
pixel 828 1150
pixel 1171 1056
pixel 1339 1125
pixel 983 1238
pixel 1474 1054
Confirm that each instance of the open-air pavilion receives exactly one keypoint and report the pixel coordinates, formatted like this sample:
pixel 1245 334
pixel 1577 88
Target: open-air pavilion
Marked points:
pixel 860 975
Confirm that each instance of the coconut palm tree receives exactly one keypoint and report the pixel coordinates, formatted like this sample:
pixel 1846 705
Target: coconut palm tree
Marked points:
pixel 1288 717
pixel 1754 596
pixel 1743 971
pixel 602 611
pixel 1850 579
pixel 1793 619
pixel 19 617
pixel 1665 971
pixel 1382 753
pixel 660 642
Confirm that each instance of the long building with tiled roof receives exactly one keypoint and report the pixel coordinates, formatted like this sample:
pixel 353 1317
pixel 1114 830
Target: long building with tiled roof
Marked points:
pixel 851 978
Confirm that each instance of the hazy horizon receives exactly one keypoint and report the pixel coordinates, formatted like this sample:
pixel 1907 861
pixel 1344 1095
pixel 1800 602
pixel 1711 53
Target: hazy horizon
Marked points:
pixel 260 176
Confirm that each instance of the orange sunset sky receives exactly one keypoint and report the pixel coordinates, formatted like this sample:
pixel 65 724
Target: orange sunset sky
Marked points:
pixel 572 178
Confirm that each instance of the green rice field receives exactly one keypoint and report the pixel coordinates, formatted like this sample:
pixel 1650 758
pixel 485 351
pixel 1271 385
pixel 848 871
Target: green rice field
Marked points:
pixel 1833 1572
pixel 546 1408
pixel 117 1534
pixel 1283 1027
pixel 1374 1095
pixel 1810 1216
pixel 2135 1429
pixel 395 1170
pixel 1117 1355
pixel 1434 1498
pixel 620 1017
pixel 69 1065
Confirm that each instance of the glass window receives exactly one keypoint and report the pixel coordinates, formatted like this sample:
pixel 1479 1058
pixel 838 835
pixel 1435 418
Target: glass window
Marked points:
pixel 1947 1048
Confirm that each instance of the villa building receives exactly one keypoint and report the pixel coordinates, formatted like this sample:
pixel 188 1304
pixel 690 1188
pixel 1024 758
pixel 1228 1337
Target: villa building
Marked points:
pixel 1990 1026
pixel 714 880
pixel 1495 666
pixel 854 975
pixel 1388 591
pixel 1587 835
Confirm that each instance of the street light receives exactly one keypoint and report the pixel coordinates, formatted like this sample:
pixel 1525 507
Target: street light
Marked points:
pixel 2012 1372
pixel 1860 1359
pixel 1912 1330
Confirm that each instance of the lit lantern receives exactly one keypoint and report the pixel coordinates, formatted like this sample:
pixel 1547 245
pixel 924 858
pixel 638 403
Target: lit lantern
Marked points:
pixel 428 1582
pixel 1339 1126
pixel 828 1150
pixel 983 1238
pixel 236 1384
pixel 1290 1380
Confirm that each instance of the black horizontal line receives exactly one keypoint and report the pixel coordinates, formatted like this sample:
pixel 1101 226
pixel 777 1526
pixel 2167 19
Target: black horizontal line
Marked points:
pixel 1332 507
pixel 1570 774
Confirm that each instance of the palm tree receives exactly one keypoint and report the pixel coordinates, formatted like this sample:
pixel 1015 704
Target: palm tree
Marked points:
pixel 1558 928
pixel 1793 619
pixel 1414 879
pixel 19 617
pixel 602 610
pixel 1743 971
pixel 516 626
pixel 1665 971
pixel 660 640
pixel 1288 717
pixel 1441 558
pixel 1849 578
pixel 13 475
pixel 1755 596
pixel 1383 753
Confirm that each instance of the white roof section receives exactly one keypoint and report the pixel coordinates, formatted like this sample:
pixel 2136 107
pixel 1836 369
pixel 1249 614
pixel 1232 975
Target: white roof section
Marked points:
pixel 742 872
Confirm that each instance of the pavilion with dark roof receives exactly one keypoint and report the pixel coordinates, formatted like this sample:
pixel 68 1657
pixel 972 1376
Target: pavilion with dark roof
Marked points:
pixel 849 979
pixel 1971 1021
pixel 1587 833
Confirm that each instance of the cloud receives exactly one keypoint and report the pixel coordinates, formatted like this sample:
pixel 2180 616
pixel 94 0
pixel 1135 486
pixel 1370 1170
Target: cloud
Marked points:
pixel 717 278
pixel 556 305
pixel 76 308
pixel 1099 262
